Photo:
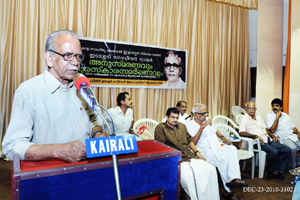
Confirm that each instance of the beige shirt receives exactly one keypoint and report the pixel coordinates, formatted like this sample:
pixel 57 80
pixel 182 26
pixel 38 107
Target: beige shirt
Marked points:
pixel 254 127
pixel 46 112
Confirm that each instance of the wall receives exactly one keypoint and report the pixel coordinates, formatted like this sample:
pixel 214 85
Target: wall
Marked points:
pixel 269 54
pixel 294 109
pixel 253 34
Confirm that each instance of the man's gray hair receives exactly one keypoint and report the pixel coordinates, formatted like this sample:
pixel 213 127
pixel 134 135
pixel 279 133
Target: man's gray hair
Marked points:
pixel 246 104
pixel 49 45
pixel 197 107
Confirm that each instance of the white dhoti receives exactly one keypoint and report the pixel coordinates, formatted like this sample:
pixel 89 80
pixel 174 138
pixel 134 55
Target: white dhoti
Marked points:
pixel 199 180
pixel 228 167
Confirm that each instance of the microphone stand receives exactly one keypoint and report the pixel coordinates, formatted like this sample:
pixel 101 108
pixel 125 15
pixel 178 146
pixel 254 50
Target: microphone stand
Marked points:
pixel 114 157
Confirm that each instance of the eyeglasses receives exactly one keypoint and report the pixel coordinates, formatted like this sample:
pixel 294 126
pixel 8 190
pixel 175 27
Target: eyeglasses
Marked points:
pixel 169 65
pixel 70 56
pixel 204 113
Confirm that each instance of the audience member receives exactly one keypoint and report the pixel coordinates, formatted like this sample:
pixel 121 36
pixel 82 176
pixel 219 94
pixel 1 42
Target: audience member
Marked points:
pixel 49 119
pixel 252 125
pixel 282 126
pixel 181 106
pixel 198 178
pixel 224 157
pixel 122 115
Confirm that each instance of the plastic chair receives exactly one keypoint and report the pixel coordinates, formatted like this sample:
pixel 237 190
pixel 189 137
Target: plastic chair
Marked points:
pixel 260 159
pixel 243 154
pixel 149 123
pixel 260 155
pixel 220 119
pixel 236 110
pixel 238 118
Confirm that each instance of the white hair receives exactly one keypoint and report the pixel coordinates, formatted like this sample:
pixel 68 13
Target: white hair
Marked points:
pixel 197 107
pixel 246 104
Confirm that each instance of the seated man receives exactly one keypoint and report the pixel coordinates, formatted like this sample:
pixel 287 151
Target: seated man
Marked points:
pixel 252 125
pixel 49 120
pixel 225 157
pixel 122 115
pixel 183 117
pixel 198 178
pixel 282 126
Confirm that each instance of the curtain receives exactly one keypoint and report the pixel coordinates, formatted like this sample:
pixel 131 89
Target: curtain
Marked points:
pixel 286 80
pixel 214 34
pixel 252 4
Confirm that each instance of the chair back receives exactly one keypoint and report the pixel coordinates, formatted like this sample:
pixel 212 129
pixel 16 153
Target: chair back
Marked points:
pixel 236 110
pixel 228 130
pixel 220 119
pixel 149 123
pixel 238 118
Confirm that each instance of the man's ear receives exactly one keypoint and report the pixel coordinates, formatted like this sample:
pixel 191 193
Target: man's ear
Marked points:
pixel 49 59
pixel 122 102
pixel 180 70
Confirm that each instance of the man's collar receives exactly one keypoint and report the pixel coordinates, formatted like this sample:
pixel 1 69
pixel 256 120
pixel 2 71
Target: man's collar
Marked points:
pixel 249 115
pixel 119 109
pixel 167 125
pixel 53 83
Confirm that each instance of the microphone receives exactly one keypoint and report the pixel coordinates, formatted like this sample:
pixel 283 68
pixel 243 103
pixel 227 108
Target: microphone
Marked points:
pixel 83 84
pixel 188 116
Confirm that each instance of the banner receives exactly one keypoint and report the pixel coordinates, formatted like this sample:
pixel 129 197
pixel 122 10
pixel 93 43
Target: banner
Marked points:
pixel 116 64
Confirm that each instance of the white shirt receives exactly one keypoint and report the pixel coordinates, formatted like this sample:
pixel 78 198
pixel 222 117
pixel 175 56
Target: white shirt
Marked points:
pixel 208 140
pixel 182 118
pixel 122 122
pixel 254 127
pixel 45 112
pixel 180 85
pixel 192 128
pixel 285 126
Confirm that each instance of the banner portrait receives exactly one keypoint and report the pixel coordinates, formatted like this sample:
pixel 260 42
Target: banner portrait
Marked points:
pixel 119 64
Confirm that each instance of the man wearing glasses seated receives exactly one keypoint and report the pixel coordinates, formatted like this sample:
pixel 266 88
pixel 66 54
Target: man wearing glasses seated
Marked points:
pixel 224 157
pixel 252 125
pixel 49 118
pixel 173 70
pixel 198 178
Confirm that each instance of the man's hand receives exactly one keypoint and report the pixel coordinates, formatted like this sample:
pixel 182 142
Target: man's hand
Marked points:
pixel 71 151
pixel 278 114
pixel 97 132
pixel 200 156
pixel 103 134
pixel 261 140
pixel 275 139
pixel 227 141
pixel 207 122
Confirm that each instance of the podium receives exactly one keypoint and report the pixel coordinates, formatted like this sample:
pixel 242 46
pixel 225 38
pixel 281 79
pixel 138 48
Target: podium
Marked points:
pixel 151 173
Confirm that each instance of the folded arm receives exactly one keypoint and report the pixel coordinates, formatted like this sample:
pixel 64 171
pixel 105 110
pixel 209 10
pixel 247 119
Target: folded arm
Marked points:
pixel 245 134
pixel 197 137
pixel 194 148
pixel 274 127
